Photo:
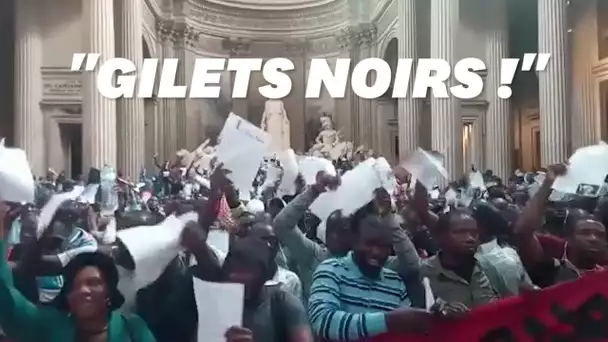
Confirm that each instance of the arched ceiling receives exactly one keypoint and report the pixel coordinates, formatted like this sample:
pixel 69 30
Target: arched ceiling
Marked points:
pixel 262 19
pixel 272 4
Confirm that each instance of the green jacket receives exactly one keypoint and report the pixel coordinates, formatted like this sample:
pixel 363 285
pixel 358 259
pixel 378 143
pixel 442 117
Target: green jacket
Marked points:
pixel 26 322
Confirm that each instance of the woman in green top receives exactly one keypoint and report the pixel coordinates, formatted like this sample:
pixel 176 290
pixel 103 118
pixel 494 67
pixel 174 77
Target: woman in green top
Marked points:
pixel 84 311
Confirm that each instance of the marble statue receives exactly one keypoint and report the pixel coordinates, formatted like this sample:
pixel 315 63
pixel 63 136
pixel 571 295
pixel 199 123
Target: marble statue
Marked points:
pixel 276 123
pixel 326 140
pixel 200 158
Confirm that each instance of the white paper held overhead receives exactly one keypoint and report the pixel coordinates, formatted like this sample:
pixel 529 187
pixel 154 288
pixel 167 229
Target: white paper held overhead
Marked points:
pixel 425 168
pixel 242 148
pixel 587 170
pixel 16 179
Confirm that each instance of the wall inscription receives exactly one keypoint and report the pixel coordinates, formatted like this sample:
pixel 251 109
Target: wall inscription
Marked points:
pixel 55 88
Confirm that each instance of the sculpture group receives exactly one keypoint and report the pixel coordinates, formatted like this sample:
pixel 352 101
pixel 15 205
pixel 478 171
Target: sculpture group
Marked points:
pixel 328 144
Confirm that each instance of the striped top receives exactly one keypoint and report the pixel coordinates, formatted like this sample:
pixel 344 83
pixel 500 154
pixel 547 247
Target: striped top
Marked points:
pixel 345 305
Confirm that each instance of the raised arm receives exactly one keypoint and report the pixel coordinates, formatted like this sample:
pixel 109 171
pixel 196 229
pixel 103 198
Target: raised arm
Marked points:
pixel 302 249
pixel 531 219
pixel 19 318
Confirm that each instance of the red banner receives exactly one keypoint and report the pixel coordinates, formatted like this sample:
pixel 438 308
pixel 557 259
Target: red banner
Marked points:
pixel 574 311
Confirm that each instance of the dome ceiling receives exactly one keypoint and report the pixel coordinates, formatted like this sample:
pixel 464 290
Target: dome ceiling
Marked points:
pixel 260 19
pixel 272 4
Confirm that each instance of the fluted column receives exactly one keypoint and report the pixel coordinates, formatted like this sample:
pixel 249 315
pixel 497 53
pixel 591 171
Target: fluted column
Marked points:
pixel 355 104
pixel 99 113
pixel 29 122
pixel 445 113
pixel 195 134
pixel 181 115
pixel 344 115
pixel 408 108
pixel 477 145
pixel 498 118
pixel 131 112
pixel 365 40
pixel 168 106
pixel 585 129
pixel 150 129
pixel 552 82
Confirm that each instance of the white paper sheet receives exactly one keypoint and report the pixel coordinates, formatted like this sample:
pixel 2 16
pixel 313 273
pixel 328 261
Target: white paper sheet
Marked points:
pixel 310 166
pixel 587 169
pixel 89 193
pixel 386 175
pixel 356 190
pixel 220 239
pixel 428 294
pixel 16 179
pixel 153 247
pixel 48 211
pixel 476 181
pixel 242 148
pixel 426 168
pixel 220 306
pixel 290 173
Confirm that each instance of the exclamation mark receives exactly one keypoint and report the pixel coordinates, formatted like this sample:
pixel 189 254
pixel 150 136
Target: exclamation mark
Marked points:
pixel 508 67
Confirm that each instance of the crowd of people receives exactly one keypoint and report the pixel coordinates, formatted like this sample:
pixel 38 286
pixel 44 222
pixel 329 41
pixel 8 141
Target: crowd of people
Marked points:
pixel 371 273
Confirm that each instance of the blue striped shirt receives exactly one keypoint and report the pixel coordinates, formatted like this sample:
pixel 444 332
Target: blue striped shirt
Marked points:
pixel 345 305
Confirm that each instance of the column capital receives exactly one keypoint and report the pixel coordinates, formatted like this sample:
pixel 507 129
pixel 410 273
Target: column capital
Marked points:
pixel 237 47
pixel 344 38
pixel 186 34
pixel 366 35
pixel 165 31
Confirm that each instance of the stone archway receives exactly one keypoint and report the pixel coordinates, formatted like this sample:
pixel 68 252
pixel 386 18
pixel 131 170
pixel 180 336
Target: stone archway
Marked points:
pixel 387 142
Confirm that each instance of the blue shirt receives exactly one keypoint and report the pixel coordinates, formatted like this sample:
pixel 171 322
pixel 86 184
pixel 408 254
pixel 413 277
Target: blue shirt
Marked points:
pixel 345 305
pixel 79 242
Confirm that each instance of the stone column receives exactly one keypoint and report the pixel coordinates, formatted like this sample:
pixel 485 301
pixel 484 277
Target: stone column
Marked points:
pixel 98 113
pixel 194 107
pixel 498 118
pixel 365 40
pixel 478 145
pixel 182 31
pixel 150 132
pixel 344 116
pixel 552 82
pixel 131 112
pixel 445 113
pixel 408 109
pixel 238 48
pixel 168 120
pixel 585 130
pixel 300 139
pixel 355 103
pixel 29 121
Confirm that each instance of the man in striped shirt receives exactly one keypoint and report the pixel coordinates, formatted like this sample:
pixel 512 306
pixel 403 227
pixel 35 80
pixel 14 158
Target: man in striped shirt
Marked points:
pixel 354 297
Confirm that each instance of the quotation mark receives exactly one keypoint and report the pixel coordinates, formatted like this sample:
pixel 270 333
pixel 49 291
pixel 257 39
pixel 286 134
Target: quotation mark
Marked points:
pixel 509 66
pixel 79 58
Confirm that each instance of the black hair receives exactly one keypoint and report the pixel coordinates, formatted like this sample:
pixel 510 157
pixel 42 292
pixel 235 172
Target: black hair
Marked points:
pixel 443 224
pixel 336 219
pixel 490 219
pixel 106 266
pixel 256 251
pixel 573 216
pixel 372 221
